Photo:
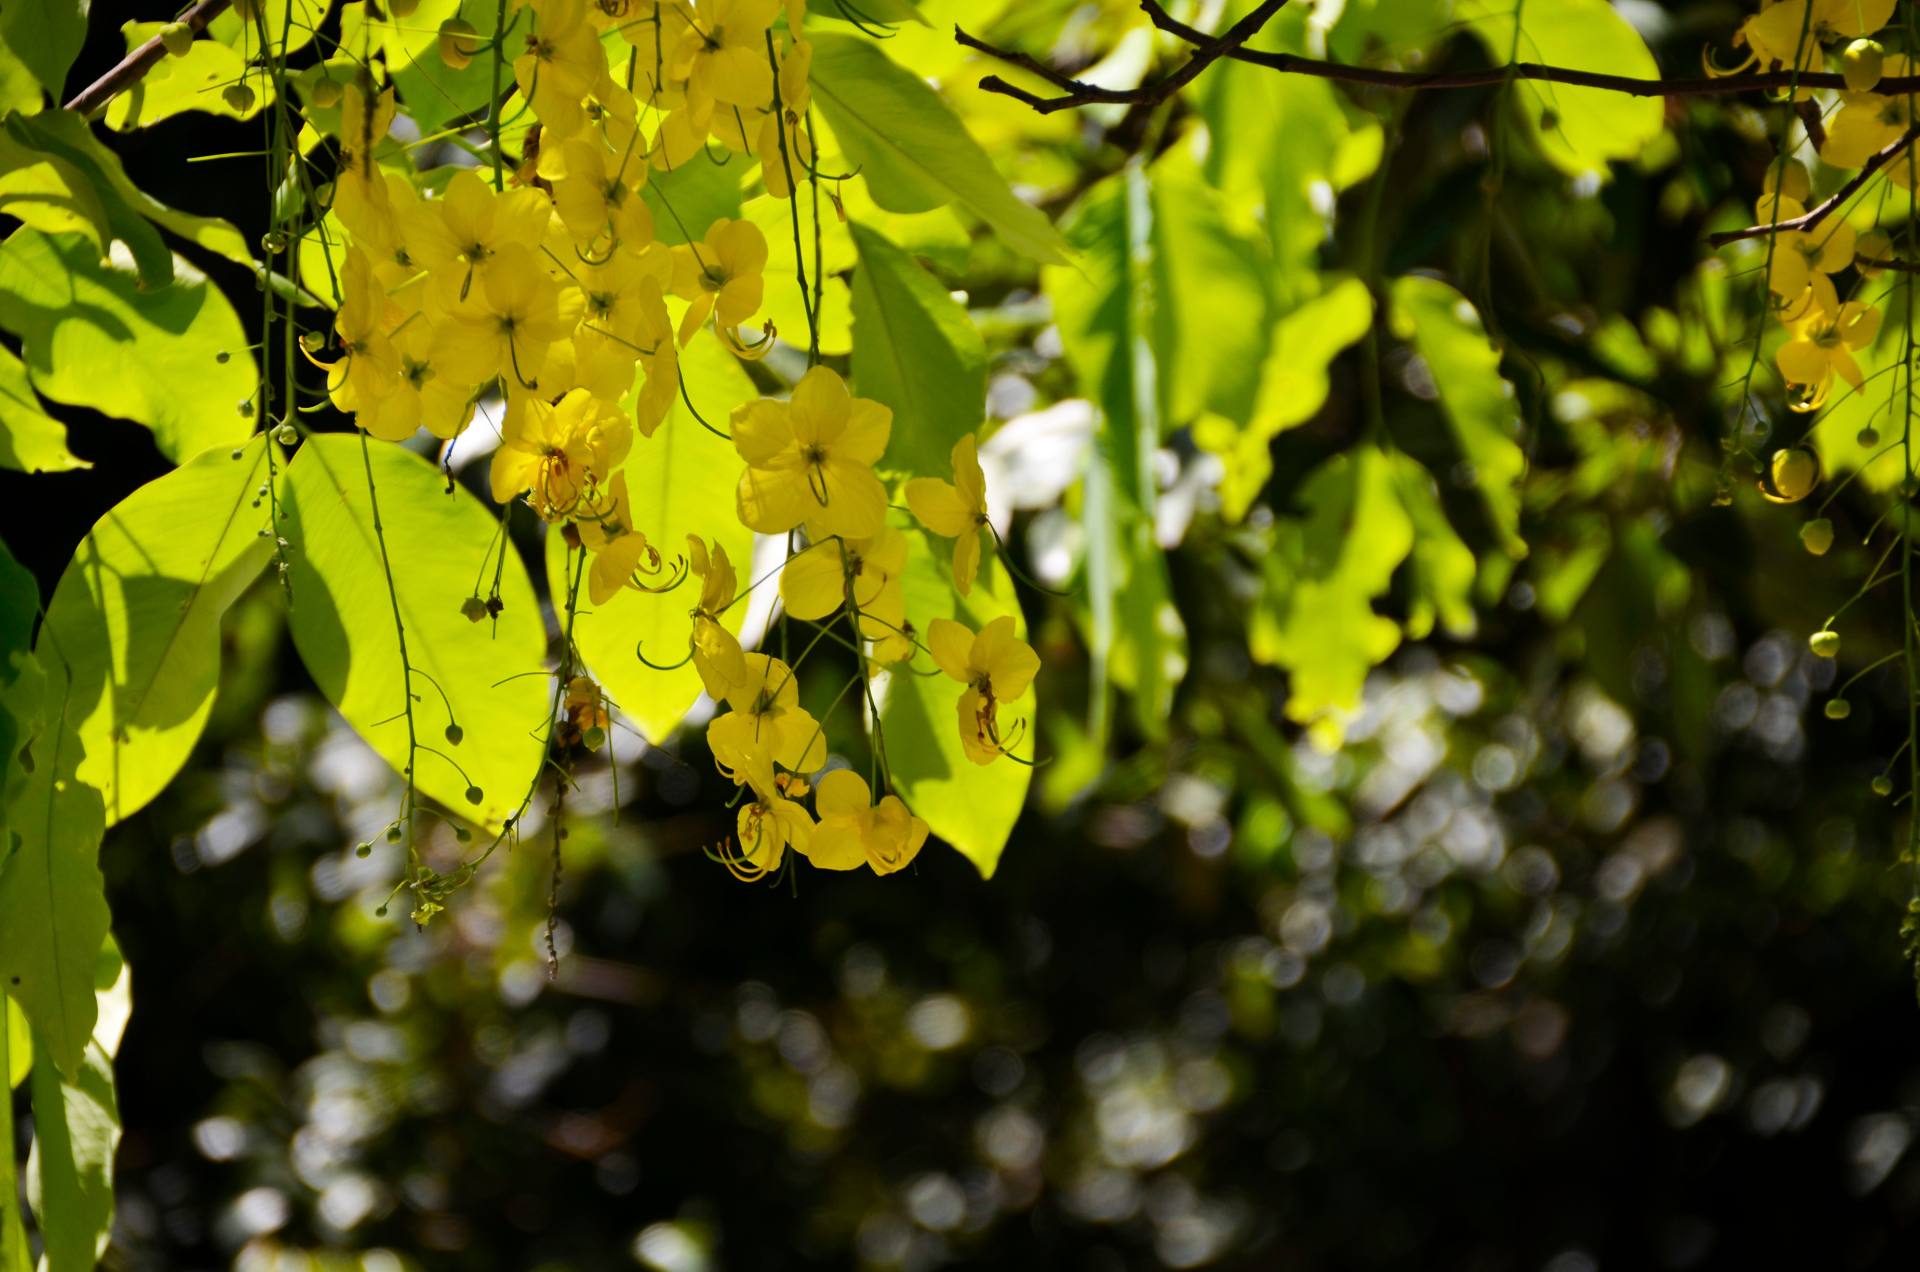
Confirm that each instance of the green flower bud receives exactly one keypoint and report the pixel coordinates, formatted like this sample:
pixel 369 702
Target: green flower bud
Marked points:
pixel 1838 709
pixel 1861 63
pixel 238 97
pixel 1817 536
pixel 178 37
pixel 1824 643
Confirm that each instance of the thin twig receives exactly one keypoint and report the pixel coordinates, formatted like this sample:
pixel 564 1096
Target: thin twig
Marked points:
pixel 1209 50
pixel 1819 212
pixel 1077 93
pixel 136 64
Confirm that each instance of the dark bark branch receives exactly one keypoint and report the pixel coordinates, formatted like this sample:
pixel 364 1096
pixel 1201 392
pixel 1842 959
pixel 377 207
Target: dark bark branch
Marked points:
pixel 1819 212
pixel 1076 93
pixel 137 63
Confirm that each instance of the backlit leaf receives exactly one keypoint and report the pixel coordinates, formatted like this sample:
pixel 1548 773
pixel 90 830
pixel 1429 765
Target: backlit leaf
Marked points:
pixel 31 441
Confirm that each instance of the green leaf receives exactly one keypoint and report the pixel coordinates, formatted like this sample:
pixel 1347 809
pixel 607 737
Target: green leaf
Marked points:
pixel 1579 130
pixel 971 806
pixel 1293 388
pixel 916 350
pixel 782 304
pixel 1443 567
pixel 132 637
pixel 76 1122
pixel 177 85
pixel 16 1061
pixel 1445 328
pixel 66 135
pixel 17 1038
pixel 1316 616
pixel 46 35
pixel 174 358
pixel 869 12
pixel 294 20
pixel 691 197
pixel 432 92
pixel 680 481
pixel 51 194
pixel 913 150
pixel 443 547
pixel 31 441
pixel 53 906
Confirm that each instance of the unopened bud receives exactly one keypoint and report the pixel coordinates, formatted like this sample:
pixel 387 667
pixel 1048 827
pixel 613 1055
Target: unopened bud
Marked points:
pixel 178 38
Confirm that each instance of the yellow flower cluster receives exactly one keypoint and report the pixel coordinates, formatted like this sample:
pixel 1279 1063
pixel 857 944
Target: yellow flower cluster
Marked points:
pixel 548 287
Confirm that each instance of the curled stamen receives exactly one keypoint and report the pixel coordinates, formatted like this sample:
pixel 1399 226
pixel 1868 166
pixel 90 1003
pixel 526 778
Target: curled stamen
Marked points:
pixel 660 666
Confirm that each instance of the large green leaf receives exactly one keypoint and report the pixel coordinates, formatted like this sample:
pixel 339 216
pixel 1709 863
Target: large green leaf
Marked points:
pixel 65 135
pixel 173 358
pixel 53 906
pixel 1580 130
pixel 16 1060
pixel 1444 326
pixel 916 350
pixel 782 304
pixel 289 23
pixel 432 92
pixel 686 200
pixel 680 481
pixel 77 1131
pixel 176 85
pixel 1316 616
pixel 46 35
pixel 442 545
pixel 912 149
pixel 31 441
pixel 132 637
pixel 52 194
pixel 971 806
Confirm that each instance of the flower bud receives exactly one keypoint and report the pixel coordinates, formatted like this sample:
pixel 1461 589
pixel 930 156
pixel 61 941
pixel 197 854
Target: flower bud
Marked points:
pixel 178 38
pixel 1875 245
pixel 474 608
pixel 402 8
pixel 1794 182
pixel 325 93
pixel 1868 436
pixel 1795 473
pixel 458 43
pixel 1838 708
pixel 1883 785
pixel 239 97
pixel 1860 64
pixel 1817 536
pixel 475 794
pixel 1824 643
pixel 286 435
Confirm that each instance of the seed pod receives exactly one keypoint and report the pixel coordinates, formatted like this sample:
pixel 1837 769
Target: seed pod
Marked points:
pixel 239 97
pixel 458 43
pixel 1861 63
pixel 1824 643
pixel 1817 536
pixel 178 38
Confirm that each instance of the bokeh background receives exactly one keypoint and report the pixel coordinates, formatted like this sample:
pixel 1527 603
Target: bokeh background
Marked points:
pixel 1582 953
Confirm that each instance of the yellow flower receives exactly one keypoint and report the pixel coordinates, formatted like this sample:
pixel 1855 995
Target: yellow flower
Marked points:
pixel 622 557
pixel 467 235
pixel 795 96
pixel 560 454
pixel 1791 31
pixel 563 64
pixel 723 55
pixel 996 666
pixel 716 651
pixel 586 710
pixel 768 824
pixel 1867 122
pixel 1798 255
pixel 720 276
pixel 1823 344
pixel 818 581
pixel 810 459
pixel 597 197
pixel 511 322
pixel 659 359
pixel 422 395
pixel 854 832
pixel 369 366
pixel 654 29
pixel 767 713
pixel 956 510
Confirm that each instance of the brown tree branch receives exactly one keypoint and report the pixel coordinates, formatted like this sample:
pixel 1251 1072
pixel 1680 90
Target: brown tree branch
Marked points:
pixel 1208 50
pixel 1819 212
pixel 130 68
pixel 1078 93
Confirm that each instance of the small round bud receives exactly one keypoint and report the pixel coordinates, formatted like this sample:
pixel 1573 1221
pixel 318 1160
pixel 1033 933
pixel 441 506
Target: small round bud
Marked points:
pixel 286 435
pixel 223 357
pixel 474 608
pixel 1838 708
pixel 393 834
pixel 1861 63
pixel 593 739
pixel 475 794
pixel 1868 436
pixel 325 94
pixel 1824 643
pixel 1795 473
pixel 364 850
pixel 1817 536
pixel 458 43
pixel 273 242
pixel 178 38
pixel 237 453
pixel 380 911
pixel 238 97
pixel 1882 785
pixel 462 834
pixel 1795 182
pixel 402 8
pixel 245 408
pixel 455 733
